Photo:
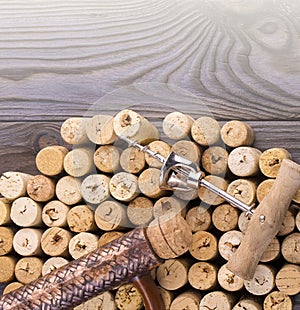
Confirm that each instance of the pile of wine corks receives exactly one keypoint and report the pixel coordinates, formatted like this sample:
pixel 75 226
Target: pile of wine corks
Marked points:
pixel 98 188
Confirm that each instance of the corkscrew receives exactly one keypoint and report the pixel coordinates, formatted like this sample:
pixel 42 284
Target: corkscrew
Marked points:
pixel 129 258
pixel 178 173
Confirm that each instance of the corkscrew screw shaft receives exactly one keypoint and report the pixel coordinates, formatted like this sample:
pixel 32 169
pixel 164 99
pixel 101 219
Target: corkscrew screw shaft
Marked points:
pixel 178 173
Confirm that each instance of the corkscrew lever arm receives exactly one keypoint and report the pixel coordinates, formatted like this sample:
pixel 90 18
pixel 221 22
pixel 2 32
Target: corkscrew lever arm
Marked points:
pixel 266 221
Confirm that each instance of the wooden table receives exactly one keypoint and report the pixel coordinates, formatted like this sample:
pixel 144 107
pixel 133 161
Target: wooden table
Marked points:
pixel 239 59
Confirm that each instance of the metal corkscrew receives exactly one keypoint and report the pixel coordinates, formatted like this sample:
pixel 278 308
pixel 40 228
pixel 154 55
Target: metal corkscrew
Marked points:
pixel 179 173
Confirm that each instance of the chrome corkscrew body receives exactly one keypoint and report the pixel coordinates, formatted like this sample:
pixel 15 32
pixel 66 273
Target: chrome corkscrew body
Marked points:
pixel 179 173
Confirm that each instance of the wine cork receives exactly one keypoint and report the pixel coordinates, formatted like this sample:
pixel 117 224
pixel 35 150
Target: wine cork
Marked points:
pixel 55 241
pixel 263 189
pixel 100 129
pixel 244 161
pixel 188 150
pixel 204 246
pixel 6 240
pixel 11 287
pixel 26 212
pixel 206 131
pixel 271 159
pixel 173 273
pixel 225 217
pixel 288 224
pixel 161 232
pixel 73 130
pixel 278 301
pixel 111 215
pixel 5 206
pixel 13 184
pixel 107 158
pixel 95 188
pixel 140 211
pixel 203 276
pixel 215 160
pixel 82 243
pixel 108 237
pixel 297 196
pixel 159 147
pixel 288 279
pixel 263 281
pixel 236 133
pixel 7 268
pixel 68 190
pixel 243 222
pixel 128 297
pixel 27 242
pixel 217 300
pixel 132 160
pixel 199 218
pixel 168 206
pixel 166 296
pixel 149 183
pixel 243 190
pixel 186 300
pixel 298 221
pixel 81 218
pixel 28 269
pixel 229 242
pixel 50 160
pixel 177 125
pixel 54 214
pixel 208 196
pixel 249 303
pixel 41 188
pixel 229 281
pixel 104 301
pixel 272 252
pixel 123 186
pixel 79 162
pixel 53 263
pixel 130 124
pixel 290 248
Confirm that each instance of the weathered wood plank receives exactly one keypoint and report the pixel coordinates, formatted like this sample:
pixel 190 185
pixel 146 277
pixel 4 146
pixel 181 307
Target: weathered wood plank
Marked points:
pixel 59 58
pixel 21 141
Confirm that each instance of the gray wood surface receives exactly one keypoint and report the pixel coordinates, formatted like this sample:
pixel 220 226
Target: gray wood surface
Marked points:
pixel 233 59
pixel 58 58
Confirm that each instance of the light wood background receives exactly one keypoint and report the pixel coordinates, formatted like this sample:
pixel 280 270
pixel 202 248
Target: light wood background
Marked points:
pixel 238 59
pixel 57 59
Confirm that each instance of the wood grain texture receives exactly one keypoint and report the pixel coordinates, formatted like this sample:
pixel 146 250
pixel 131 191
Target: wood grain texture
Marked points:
pixel 60 58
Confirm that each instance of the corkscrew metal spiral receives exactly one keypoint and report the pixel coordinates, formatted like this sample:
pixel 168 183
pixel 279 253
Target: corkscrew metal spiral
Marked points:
pixel 178 173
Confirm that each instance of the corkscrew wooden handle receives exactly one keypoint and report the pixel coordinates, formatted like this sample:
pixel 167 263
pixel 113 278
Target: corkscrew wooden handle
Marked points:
pixel 106 268
pixel 266 221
